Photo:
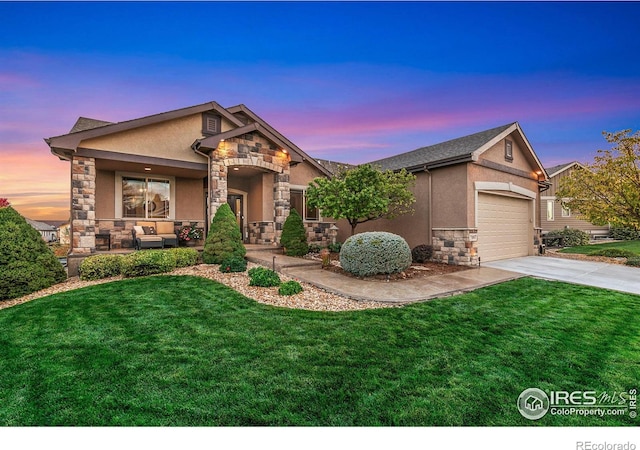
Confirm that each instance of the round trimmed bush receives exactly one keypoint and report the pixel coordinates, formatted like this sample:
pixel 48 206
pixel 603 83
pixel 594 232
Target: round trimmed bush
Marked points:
pixel 373 253
pixel 290 288
pixel 422 253
pixel 263 277
pixel 97 267
pixel 26 263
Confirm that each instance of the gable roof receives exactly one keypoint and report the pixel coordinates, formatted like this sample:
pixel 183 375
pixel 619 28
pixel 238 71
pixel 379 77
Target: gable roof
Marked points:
pixel 40 226
pixel 555 170
pixel 463 149
pixel 70 141
pixel 85 123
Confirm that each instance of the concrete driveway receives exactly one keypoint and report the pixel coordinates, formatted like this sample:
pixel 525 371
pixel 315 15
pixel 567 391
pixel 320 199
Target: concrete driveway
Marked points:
pixel 597 274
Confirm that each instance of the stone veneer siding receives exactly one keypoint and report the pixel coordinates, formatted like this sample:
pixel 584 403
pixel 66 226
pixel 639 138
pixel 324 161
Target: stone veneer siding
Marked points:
pixel 456 246
pixel 83 205
pixel 254 151
pixel 318 233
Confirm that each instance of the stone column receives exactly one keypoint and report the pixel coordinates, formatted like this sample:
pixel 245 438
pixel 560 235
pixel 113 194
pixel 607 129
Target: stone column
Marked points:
pixel 281 200
pixel 83 205
pixel 218 188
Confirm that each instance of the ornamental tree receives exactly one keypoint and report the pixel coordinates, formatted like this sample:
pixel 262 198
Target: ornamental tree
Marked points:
pixel 362 194
pixel 608 190
pixel 294 236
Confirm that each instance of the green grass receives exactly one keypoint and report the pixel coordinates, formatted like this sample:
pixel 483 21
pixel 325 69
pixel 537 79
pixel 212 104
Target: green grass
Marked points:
pixel 187 351
pixel 633 246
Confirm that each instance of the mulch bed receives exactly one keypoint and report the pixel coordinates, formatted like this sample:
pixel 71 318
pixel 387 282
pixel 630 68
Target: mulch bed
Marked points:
pixel 417 270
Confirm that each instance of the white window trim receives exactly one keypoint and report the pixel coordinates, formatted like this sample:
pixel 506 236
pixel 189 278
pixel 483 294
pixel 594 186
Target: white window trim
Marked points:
pixel 146 176
pixel 296 187
pixel 553 212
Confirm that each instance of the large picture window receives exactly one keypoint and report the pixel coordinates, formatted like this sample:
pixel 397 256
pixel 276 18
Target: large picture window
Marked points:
pixel 299 203
pixel 141 197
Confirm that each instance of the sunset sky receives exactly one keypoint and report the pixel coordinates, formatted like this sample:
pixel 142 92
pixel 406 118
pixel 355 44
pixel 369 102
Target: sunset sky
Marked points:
pixel 350 82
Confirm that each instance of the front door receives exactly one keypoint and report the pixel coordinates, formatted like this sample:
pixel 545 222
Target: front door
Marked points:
pixel 235 201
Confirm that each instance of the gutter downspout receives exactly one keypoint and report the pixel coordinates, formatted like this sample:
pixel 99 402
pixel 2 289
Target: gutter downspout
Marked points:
pixel 195 147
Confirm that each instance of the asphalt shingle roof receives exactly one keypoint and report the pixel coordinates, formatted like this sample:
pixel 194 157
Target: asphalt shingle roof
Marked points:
pixel 455 148
pixel 554 169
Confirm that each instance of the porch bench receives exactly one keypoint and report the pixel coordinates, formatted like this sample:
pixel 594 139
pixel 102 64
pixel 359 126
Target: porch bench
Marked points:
pixel 160 235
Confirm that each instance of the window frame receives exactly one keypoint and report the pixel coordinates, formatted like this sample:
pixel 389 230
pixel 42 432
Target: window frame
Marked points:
pixel 303 190
pixel 508 150
pixel 551 209
pixel 147 177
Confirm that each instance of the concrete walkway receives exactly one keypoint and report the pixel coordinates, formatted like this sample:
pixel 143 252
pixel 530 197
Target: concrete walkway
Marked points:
pixel 597 274
pixel 407 291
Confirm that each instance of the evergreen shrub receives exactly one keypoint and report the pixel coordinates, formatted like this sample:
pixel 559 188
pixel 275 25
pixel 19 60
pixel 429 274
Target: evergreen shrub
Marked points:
pixel 373 253
pixel 27 264
pixel 224 239
pixel 294 236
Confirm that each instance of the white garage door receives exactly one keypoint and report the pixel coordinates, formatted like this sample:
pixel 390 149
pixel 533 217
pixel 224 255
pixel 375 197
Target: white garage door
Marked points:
pixel 504 227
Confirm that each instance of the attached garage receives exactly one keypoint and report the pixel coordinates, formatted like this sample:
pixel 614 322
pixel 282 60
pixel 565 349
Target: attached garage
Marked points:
pixel 505 227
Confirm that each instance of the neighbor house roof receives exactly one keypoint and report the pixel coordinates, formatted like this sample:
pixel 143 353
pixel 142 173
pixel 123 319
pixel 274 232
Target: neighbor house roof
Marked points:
pixel 555 170
pixel 463 149
pixel 40 226
pixel 334 167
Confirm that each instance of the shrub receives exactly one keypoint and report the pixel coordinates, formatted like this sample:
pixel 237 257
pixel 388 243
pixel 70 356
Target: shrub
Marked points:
pixel 624 234
pixel 422 253
pixel 314 248
pixel 290 288
pixel 27 264
pixel 572 237
pixel 233 264
pixel 185 257
pixel 97 267
pixel 613 253
pixel 335 248
pixel 261 276
pixel 148 262
pixel 374 253
pixel 224 239
pixel 633 261
pixel 294 236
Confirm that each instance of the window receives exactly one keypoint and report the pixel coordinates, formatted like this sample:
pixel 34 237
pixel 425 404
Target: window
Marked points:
pixel 140 197
pixel 508 150
pixel 550 205
pixel 299 203
pixel 566 212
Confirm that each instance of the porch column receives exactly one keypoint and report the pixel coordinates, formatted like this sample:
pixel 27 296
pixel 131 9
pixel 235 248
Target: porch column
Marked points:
pixel 218 189
pixel 281 200
pixel 83 205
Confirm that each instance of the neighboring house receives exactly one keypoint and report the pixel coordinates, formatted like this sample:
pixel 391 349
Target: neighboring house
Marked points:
pixel 48 232
pixel 477 196
pixel 179 167
pixel 553 213
pixel 64 233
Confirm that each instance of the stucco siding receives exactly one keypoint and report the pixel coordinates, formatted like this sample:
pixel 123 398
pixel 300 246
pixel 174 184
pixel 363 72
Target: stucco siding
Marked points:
pixel 414 228
pixel 170 140
pixel 189 199
pixel 302 174
pixel 521 159
pixel 450 199
pixel 105 194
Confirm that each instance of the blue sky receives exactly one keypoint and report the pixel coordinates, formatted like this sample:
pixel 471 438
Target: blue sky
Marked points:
pixel 350 82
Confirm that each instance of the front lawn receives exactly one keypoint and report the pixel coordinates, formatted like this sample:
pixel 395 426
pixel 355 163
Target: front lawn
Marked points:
pixel 171 350
pixel 632 246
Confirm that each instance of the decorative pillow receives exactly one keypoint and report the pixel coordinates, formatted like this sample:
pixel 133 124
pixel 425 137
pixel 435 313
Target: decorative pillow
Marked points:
pixel 139 230
pixel 149 230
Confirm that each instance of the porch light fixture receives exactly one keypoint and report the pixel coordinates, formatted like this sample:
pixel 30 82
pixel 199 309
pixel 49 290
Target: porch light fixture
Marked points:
pixel 148 169
pixel 236 168
pixel 284 150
